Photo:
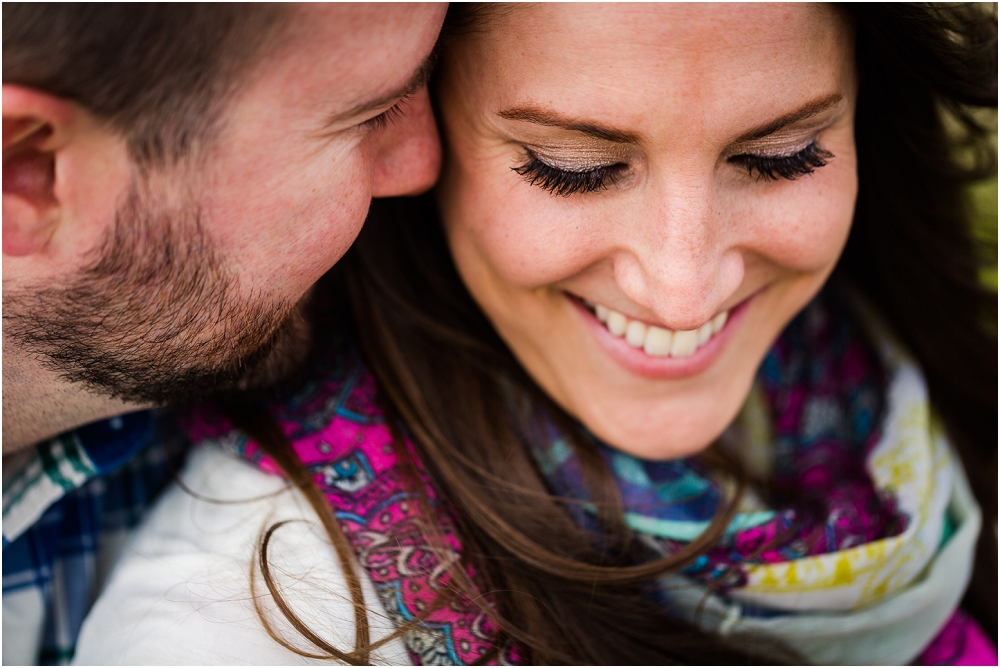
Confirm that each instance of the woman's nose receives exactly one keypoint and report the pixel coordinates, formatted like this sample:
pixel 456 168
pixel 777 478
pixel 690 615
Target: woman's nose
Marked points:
pixel 678 260
pixel 408 154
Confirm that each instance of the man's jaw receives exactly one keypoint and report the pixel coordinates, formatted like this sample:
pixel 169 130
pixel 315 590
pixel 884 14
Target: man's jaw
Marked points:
pixel 38 404
pixel 285 352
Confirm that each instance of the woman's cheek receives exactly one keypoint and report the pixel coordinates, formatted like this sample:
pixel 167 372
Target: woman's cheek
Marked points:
pixel 528 241
pixel 806 232
pixel 828 208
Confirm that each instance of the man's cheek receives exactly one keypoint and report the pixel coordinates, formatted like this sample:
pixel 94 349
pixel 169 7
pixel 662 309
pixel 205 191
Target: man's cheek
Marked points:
pixel 337 221
pixel 296 246
pixel 342 226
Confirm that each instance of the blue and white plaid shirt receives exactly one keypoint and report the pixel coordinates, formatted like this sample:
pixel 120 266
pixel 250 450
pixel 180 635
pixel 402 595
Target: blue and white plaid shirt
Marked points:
pixel 67 512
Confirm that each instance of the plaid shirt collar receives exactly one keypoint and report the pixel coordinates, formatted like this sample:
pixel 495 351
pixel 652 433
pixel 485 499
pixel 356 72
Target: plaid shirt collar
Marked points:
pixel 65 463
pixel 67 512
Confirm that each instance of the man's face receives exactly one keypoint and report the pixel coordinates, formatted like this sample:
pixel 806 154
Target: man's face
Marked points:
pixel 196 282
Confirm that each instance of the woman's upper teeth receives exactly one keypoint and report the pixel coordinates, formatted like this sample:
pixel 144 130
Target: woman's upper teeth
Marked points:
pixel 657 341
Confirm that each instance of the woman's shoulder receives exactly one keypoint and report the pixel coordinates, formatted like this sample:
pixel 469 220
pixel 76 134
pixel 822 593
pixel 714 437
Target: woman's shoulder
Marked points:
pixel 182 591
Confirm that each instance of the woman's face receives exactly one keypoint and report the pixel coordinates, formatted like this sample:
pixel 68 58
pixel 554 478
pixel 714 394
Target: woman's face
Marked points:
pixel 640 197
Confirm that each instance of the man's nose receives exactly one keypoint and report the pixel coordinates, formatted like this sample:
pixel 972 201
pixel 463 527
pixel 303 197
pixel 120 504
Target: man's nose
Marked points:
pixel 679 260
pixel 408 154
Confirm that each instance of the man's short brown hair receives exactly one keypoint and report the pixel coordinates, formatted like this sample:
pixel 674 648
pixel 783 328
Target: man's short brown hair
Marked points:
pixel 157 73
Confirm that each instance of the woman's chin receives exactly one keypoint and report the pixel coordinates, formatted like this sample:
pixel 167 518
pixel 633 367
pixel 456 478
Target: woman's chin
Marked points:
pixel 661 439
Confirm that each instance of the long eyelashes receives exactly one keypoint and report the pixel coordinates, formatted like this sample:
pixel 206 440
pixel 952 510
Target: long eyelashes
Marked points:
pixel 564 182
pixel 790 167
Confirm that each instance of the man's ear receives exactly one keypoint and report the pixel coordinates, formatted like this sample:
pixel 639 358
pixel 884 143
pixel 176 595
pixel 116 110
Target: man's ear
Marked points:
pixel 36 127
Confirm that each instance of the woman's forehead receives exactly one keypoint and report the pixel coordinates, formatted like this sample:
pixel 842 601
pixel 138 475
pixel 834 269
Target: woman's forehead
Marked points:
pixel 660 64
pixel 604 42
pixel 692 26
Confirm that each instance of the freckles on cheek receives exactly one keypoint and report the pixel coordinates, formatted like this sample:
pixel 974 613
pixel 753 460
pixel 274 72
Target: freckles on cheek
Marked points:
pixel 486 236
pixel 524 250
pixel 808 233
pixel 527 242
pixel 522 236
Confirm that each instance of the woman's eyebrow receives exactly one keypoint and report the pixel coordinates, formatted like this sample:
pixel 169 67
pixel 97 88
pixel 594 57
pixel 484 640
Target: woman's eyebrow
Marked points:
pixel 807 110
pixel 549 118
pixel 545 117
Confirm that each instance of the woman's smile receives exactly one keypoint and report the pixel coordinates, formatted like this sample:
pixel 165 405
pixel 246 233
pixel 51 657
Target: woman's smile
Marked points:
pixel 653 350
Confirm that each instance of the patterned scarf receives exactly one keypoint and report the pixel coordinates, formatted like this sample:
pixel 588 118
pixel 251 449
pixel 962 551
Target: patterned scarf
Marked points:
pixel 857 487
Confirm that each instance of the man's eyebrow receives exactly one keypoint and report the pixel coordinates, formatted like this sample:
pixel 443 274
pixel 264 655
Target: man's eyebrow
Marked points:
pixel 416 81
pixel 807 110
pixel 552 119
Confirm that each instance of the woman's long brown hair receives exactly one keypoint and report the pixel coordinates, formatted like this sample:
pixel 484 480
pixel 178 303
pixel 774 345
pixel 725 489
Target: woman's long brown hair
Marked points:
pixel 562 593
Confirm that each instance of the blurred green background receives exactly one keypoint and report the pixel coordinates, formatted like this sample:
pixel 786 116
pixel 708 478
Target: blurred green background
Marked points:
pixel 983 196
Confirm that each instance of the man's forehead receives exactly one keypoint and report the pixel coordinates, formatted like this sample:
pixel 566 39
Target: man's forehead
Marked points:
pixel 368 54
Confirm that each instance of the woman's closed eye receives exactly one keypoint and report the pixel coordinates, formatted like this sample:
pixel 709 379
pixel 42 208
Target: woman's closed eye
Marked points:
pixel 789 167
pixel 565 182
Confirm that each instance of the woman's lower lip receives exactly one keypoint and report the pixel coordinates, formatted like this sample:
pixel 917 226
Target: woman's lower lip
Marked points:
pixel 639 363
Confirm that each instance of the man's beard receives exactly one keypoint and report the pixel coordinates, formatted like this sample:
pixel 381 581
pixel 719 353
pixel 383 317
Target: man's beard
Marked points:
pixel 156 318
